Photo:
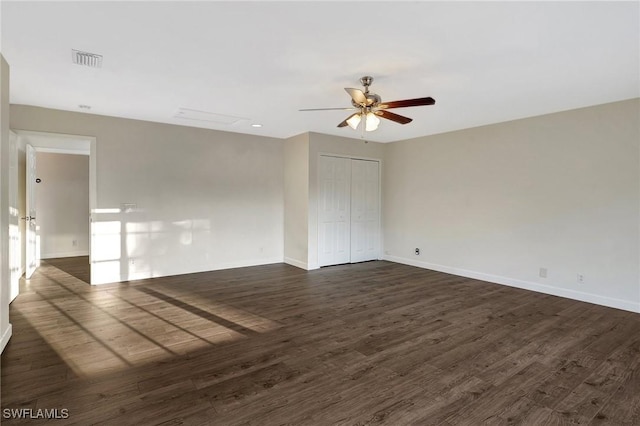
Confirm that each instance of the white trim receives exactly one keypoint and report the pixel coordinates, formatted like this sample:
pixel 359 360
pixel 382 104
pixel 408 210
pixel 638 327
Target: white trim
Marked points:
pixel 526 285
pixel 353 157
pixel 57 142
pixel 64 254
pixel 296 263
pixel 5 337
pixel 61 143
pixel 244 264
pixel 93 191
pixel 316 264
pixel 62 151
pixel 143 275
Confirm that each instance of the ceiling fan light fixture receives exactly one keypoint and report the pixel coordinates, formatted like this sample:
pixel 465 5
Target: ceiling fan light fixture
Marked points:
pixel 354 120
pixel 369 107
pixel 371 122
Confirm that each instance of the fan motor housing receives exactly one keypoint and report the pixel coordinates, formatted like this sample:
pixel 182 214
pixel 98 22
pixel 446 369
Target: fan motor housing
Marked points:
pixel 373 99
pixel 366 80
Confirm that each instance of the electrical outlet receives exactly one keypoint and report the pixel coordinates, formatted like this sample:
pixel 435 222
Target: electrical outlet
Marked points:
pixel 417 251
pixel 129 207
pixel 543 272
pixel 74 243
pixel 580 278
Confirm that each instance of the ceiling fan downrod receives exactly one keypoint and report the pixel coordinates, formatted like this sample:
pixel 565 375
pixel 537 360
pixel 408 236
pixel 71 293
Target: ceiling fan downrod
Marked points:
pixel 366 82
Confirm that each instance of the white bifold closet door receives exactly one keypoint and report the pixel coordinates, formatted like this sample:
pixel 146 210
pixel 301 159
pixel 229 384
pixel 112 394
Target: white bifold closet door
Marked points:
pixel 348 210
pixel 334 210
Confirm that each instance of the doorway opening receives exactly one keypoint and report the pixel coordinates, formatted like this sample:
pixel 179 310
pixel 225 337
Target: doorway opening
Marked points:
pixel 62 200
pixel 65 185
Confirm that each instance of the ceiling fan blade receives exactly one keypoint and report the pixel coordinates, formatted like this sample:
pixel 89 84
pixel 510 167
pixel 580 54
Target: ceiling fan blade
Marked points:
pixel 394 117
pixel 344 123
pixel 407 103
pixel 328 109
pixel 357 95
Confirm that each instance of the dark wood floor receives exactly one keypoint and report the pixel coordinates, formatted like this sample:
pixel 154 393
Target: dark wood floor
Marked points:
pixel 372 343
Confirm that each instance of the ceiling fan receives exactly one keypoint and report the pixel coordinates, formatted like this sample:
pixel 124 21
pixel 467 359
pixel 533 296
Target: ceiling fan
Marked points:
pixel 370 106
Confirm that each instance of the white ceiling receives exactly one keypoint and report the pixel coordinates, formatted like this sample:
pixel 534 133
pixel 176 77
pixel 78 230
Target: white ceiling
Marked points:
pixel 482 62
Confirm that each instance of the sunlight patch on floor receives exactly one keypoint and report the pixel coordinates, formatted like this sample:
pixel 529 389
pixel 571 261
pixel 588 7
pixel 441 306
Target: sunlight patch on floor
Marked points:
pixel 104 331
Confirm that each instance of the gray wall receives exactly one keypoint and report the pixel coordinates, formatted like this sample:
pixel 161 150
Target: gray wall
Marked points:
pixel 204 199
pixel 301 189
pixel 559 192
pixel 499 202
pixel 296 200
pixel 62 201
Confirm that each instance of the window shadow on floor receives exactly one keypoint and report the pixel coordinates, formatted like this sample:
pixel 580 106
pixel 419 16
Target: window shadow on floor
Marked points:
pixel 199 312
pixel 78 267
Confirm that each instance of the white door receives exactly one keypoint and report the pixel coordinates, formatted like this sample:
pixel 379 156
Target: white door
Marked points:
pixel 15 248
pixel 334 210
pixel 32 255
pixel 365 210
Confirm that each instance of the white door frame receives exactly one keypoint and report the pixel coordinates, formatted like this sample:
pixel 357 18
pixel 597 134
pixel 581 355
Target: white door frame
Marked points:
pixel 68 144
pixel 15 243
pixel 353 157
pixel 31 255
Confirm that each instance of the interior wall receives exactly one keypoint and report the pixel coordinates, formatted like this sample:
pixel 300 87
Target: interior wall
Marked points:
pixel 62 203
pixel 173 200
pixel 559 192
pixel 5 326
pixel 296 196
pixel 500 202
pixel 340 146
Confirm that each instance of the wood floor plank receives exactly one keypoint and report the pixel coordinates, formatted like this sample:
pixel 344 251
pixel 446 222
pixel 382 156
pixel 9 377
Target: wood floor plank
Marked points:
pixel 589 397
pixel 623 408
pixel 372 343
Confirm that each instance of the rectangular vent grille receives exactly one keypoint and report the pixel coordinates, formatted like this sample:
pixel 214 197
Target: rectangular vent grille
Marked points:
pixel 87 59
pixel 211 117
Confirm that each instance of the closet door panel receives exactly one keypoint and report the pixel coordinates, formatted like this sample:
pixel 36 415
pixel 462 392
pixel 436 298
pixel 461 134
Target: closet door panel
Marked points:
pixel 334 210
pixel 365 210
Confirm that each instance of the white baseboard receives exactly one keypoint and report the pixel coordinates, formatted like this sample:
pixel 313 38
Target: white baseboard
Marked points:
pixel 113 278
pixel 64 254
pixel 526 285
pixel 243 264
pixel 5 337
pixel 296 263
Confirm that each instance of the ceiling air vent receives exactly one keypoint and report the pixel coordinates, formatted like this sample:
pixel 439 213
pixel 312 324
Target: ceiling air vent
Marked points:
pixel 211 117
pixel 87 59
